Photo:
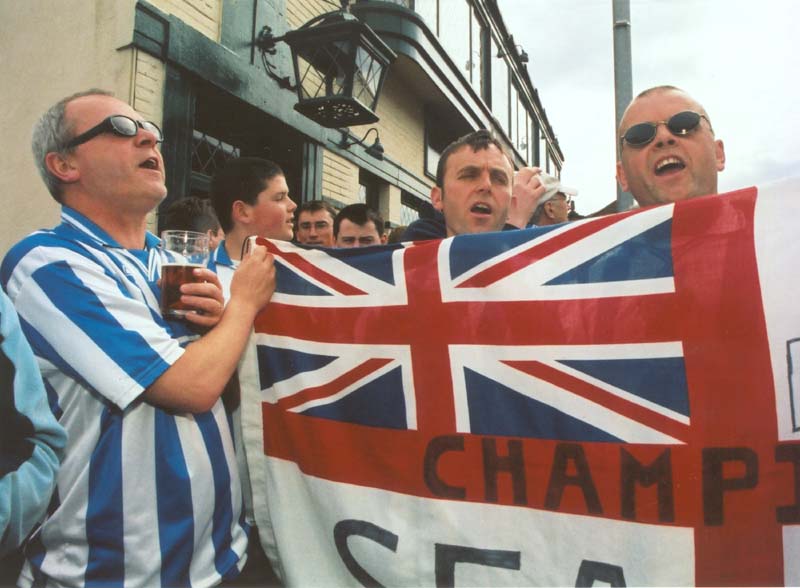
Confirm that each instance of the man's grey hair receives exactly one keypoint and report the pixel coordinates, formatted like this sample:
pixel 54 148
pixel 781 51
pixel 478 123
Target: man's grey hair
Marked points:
pixel 51 133
pixel 537 214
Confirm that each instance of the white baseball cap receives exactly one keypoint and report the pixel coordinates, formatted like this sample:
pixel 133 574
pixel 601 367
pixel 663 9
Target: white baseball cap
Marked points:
pixel 552 186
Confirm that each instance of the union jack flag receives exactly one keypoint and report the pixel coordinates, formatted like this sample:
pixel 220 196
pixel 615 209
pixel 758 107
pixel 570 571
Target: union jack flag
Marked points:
pixel 640 332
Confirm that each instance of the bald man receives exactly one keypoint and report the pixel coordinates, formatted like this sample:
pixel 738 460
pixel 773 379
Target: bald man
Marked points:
pixel 667 148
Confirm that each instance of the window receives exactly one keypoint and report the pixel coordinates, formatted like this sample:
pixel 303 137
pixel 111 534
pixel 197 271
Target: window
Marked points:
pixel 369 187
pixel 499 89
pixel 522 130
pixel 439 133
pixel 411 208
pixel 533 140
pixel 512 119
pixel 542 149
pixel 427 9
pixel 454 34
pixel 462 33
pixel 209 153
pixel 476 53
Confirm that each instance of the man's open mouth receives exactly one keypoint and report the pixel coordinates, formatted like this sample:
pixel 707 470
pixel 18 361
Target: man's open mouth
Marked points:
pixel 669 165
pixel 150 163
pixel 481 208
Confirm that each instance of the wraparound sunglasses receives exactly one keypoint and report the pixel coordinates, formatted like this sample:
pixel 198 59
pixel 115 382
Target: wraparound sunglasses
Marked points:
pixel 120 125
pixel 679 124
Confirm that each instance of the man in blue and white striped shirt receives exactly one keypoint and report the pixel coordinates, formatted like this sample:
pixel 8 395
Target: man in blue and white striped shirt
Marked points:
pixel 148 493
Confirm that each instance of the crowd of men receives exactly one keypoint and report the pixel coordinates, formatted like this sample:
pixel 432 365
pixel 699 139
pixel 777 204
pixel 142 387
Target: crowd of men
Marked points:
pixel 151 488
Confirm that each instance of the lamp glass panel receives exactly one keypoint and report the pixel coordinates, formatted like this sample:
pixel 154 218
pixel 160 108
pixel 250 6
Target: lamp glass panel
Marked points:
pixel 367 77
pixel 323 69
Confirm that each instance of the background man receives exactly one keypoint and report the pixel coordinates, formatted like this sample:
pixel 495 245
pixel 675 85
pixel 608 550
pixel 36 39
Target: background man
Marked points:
pixel 357 225
pixel 555 204
pixel 667 149
pixel 194 214
pixel 474 181
pixel 148 493
pixel 315 223
pixel 250 197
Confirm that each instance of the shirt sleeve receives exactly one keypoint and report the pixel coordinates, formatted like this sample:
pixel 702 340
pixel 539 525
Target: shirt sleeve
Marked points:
pixel 101 327
pixel 31 441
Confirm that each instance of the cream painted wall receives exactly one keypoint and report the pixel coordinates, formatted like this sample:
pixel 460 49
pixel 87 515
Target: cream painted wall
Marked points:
pixel 202 15
pixel 339 178
pixel 48 51
pixel 401 124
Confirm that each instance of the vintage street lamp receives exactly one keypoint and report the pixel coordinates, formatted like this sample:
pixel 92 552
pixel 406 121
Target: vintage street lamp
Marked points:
pixel 339 66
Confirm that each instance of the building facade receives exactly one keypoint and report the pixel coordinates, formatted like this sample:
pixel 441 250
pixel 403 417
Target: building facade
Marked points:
pixel 192 67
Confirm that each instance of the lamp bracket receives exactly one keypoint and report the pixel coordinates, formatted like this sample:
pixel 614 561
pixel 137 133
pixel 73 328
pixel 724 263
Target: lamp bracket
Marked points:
pixel 349 140
pixel 375 150
pixel 266 42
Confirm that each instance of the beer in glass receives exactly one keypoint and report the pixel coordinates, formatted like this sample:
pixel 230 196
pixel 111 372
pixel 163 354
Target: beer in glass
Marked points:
pixel 182 253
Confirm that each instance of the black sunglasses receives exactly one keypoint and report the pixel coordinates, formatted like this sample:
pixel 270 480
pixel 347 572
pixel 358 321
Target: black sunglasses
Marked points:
pixel 679 124
pixel 121 125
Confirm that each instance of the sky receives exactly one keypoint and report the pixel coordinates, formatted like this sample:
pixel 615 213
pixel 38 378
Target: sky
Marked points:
pixel 739 59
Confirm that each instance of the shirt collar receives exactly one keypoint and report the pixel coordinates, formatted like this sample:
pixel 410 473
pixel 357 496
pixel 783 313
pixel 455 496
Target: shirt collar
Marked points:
pixel 90 230
pixel 220 255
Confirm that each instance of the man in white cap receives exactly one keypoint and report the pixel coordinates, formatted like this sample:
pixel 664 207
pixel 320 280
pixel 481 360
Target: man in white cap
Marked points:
pixel 555 204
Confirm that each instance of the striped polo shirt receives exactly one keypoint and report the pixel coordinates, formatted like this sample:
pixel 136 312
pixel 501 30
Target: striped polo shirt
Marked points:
pixel 144 497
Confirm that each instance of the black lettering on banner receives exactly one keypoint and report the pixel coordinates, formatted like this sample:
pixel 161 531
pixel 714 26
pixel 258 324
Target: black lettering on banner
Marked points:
pixel 435 449
pixel 564 454
pixel 447 556
pixel 345 529
pixel 715 484
pixel 600 571
pixel 790 513
pixel 511 463
pixel 659 472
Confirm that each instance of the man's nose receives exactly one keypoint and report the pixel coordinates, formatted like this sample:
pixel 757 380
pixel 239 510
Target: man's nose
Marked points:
pixel 485 180
pixel 145 137
pixel 664 136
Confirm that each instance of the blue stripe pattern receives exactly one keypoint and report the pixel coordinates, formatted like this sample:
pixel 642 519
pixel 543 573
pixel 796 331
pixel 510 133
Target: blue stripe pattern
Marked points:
pixel 174 496
pixel 86 310
pixel 225 558
pixel 104 520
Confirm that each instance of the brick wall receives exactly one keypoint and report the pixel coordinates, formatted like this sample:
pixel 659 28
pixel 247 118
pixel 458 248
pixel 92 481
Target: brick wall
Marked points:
pixel 203 15
pixel 339 178
pixel 149 75
pixel 401 125
pixel 299 12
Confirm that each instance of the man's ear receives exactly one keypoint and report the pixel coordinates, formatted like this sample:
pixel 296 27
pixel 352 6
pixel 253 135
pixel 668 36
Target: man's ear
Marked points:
pixel 436 198
pixel 621 178
pixel 719 151
pixel 62 167
pixel 240 212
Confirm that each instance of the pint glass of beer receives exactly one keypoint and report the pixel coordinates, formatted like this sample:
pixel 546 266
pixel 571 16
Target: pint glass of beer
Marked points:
pixel 182 253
